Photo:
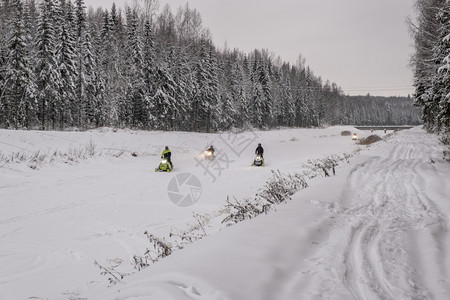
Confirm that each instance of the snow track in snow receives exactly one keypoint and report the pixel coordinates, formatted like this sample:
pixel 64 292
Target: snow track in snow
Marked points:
pixel 386 209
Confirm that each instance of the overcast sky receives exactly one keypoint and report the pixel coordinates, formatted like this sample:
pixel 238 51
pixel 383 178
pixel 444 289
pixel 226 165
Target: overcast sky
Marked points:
pixel 362 45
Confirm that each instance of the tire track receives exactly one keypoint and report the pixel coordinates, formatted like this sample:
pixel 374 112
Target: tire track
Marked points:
pixel 386 208
pixel 52 210
pixel 365 276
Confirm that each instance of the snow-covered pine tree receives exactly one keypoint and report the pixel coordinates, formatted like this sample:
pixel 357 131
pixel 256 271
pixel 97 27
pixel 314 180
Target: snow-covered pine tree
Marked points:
pixel 426 39
pixel 110 112
pixel 31 16
pixel 319 101
pixel 148 73
pixel 213 89
pixel 332 100
pixel 287 100
pixel 389 116
pixel 227 115
pixel 4 22
pixel 19 88
pixel 65 52
pixel 226 118
pixel 95 86
pixel 242 87
pixel 257 94
pixel 300 94
pixel 277 102
pixel 197 101
pixel 264 77
pixel 30 24
pixel 310 99
pixel 182 75
pixel 135 78
pixel 205 89
pixel 262 95
pixel 118 83
pixel 116 18
pixel 164 101
pixel 80 54
pixel 4 29
pixel 443 76
pixel 47 74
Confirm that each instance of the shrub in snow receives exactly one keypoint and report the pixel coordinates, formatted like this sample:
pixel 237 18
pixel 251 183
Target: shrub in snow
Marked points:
pixel 280 187
pixel 347 157
pixel 245 209
pixel 193 233
pixel 114 276
pixel 277 189
pixel 161 249
pixel 121 152
pixel 179 239
pixel 324 166
pixel 90 149
pixel 370 140
pixel 72 155
pixel 36 160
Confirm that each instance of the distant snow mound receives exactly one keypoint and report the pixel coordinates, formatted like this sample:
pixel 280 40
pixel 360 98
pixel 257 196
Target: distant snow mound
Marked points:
pixel 370 139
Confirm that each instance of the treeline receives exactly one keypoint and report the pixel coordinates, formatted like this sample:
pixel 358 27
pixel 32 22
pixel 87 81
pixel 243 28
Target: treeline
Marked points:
pixel 431 63
pixel 373 110
pixel 65 66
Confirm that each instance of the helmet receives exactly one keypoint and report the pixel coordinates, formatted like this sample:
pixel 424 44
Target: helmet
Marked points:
pixel 167 147
pixel 259 144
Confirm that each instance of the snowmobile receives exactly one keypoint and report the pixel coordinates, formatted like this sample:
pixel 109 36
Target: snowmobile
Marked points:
pixel 209 155
pixel 164 166
pixel 258 161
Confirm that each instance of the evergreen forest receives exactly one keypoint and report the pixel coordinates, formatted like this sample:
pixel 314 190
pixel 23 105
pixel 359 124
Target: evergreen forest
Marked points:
pixel 64 66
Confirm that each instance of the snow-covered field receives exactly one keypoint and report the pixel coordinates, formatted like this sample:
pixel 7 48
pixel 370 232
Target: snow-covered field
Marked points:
pixel 376 230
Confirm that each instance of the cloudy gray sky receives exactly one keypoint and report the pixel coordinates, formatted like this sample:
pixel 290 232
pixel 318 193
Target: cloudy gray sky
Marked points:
pixel 362 45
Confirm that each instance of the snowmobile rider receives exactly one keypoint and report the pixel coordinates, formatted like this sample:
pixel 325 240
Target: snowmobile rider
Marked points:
pixel 211 149
pixel 167 154
pixel 259 150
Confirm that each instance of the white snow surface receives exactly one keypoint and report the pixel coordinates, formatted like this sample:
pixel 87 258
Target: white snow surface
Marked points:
pixel 379 229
